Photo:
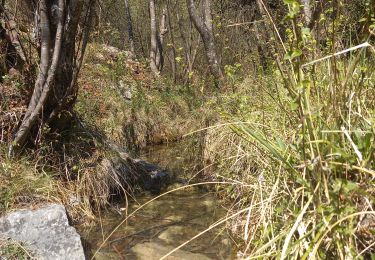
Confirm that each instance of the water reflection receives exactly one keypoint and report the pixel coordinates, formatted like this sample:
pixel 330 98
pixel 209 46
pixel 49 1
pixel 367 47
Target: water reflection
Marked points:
pixel 167 222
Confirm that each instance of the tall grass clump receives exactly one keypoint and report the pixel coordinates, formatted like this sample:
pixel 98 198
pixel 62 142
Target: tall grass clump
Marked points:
pixel 76 173
pixel 301 143
pixel 21 183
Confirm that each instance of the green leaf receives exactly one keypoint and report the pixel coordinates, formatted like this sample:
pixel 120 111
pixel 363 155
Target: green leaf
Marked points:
pixel 296 53
pixel 281 144
pixel 364 19
pixel 293 106
pixel 306 33
pixel 349 186
pixel 246 132
pixel 290 55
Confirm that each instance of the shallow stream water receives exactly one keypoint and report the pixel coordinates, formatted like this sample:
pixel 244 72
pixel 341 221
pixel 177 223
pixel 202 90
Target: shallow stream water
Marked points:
pixel 167 222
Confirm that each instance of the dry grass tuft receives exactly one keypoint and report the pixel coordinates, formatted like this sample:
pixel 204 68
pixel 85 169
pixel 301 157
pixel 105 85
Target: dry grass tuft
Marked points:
pixel 12 106
pixel 12 250
pixel 305 182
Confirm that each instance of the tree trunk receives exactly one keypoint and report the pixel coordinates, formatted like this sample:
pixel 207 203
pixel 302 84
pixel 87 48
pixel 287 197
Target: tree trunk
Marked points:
pixel 208 15
pixel 10 44
pixel 71 64
pixel 206 31
pixel 154 41
pixel 184 40
pixel 11 35
pixel 190 47
pixel 160 41
pixel 263 52
pixel 54 88
pixel 307 11
pixel 47 74
pixel 130 27
pixel 173 48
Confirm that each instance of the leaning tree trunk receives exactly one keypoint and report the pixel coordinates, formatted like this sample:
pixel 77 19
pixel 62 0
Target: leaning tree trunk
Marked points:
pixel 205 29
pixel 55 89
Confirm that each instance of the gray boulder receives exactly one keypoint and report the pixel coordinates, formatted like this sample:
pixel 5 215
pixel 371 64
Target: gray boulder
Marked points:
pixel 127 170
pixel 154 178
pixel 45 231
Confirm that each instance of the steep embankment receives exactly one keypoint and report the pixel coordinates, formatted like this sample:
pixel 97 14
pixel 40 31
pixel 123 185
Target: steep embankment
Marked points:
pixel 121 98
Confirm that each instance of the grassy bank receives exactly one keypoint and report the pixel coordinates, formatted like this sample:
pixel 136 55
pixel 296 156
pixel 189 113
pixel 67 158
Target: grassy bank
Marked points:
pixel 302 152
pixel 121 98
pixel 71 167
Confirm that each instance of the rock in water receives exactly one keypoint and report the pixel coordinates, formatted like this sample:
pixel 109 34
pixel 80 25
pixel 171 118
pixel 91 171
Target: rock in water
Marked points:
pixel 46 231
pixel 154 251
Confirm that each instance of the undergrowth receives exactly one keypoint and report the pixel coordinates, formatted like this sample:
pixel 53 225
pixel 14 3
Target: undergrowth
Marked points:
pixel 119 105
pixel 14 251
pixel 133 109
pixel 299 140
pixel 308 174
pixel 21 184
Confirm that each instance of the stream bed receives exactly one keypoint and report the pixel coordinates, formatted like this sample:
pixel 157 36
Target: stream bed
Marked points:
pixel 167 222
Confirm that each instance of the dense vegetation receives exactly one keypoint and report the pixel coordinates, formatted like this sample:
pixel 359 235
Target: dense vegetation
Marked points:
pixel 279 94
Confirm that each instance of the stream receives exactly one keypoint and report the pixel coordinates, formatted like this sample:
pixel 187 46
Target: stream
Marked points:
pixel 167 222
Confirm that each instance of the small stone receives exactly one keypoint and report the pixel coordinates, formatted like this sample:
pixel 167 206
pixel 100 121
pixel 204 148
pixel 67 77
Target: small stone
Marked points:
pixel 128 94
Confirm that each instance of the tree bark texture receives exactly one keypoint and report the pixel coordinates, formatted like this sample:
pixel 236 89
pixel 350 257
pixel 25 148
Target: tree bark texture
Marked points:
pixel 130 27
pixel 173 47
pixel 307 11
pixel 11 47
pixel 157 39
pixel 54 89
pixel 160 40
pixel 205 29
pixel 154 40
